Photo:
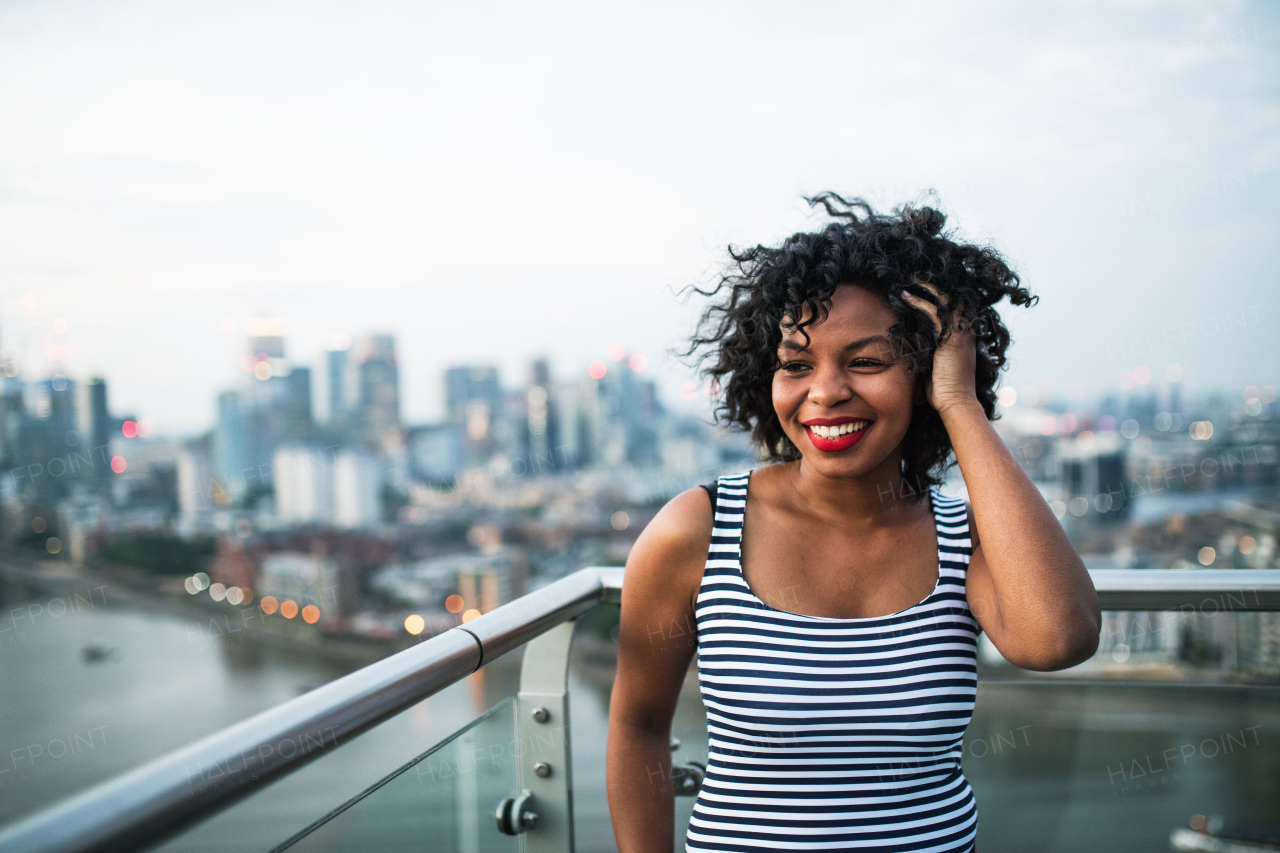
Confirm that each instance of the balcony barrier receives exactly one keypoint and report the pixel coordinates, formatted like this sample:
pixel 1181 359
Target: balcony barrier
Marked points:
pixel 145 806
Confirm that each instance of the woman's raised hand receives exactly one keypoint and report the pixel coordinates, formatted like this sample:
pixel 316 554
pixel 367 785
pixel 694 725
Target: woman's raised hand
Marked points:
pixel 956 359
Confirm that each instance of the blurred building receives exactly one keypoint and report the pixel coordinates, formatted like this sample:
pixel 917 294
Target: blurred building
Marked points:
pixel 304 484
pixel 357 490
pixel 374 376
pixel 474 403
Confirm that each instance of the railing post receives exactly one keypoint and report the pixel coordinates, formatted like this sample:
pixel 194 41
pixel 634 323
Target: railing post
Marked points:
pixel 542 732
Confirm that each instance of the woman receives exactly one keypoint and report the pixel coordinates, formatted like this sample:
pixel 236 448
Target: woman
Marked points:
pixel 837 595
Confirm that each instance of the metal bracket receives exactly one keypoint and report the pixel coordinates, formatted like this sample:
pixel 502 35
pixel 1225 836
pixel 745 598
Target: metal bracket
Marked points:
pixel 515 814
pixel 542 740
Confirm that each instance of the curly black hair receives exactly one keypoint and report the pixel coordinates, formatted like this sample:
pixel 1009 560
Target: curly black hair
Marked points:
pixel 766 288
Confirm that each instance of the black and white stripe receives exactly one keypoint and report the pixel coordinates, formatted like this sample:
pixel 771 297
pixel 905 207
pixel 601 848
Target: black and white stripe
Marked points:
pixel 834 734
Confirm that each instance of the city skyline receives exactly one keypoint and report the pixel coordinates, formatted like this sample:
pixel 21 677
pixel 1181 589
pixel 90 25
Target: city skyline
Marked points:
pixel 450 180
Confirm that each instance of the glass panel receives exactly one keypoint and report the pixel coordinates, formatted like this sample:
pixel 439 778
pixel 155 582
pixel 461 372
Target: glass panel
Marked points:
pixel 444 798
pixel 287 807
pixel 1175 717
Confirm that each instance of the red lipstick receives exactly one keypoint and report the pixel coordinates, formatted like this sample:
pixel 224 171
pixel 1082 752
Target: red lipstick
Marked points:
pixel 841 442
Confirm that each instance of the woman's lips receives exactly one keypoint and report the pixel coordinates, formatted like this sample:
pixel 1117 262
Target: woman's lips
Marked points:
pixel 834 445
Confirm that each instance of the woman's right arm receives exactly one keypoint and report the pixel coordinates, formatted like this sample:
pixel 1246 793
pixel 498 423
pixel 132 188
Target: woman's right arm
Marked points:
pixel 656 641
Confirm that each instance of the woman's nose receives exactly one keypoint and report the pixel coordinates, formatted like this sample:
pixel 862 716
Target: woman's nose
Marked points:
pixel 830 386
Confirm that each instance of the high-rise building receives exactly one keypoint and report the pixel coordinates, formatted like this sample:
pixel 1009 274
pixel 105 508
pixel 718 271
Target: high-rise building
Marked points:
pixel 93 421
pixel 541 424
pixel 331 387
pixel 298 420
pixel 474 404
pixel 375 376
pixel 230 447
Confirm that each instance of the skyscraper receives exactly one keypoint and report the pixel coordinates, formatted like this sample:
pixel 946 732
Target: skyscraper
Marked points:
pixel 93 421
pixel 473 403
pixel 376 373
pixel 230 450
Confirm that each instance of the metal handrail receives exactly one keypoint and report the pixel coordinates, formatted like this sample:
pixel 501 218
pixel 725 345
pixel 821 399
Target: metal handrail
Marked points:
pixel 159 799
pixel 146 805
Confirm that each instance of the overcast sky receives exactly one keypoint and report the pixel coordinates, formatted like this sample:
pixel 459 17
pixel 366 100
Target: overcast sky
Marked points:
pixel 492 182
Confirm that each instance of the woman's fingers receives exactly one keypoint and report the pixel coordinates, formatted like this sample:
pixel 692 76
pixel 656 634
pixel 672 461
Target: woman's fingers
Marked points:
pixel 926 306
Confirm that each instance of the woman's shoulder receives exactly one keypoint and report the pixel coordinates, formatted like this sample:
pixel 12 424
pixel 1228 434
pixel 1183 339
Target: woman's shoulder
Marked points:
pixel 668 557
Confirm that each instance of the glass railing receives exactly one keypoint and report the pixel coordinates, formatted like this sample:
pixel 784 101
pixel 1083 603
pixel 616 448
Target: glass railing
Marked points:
pixel 1168 734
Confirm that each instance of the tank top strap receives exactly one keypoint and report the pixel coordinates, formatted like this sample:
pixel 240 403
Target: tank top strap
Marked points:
pixel 729 503
pixel 955 546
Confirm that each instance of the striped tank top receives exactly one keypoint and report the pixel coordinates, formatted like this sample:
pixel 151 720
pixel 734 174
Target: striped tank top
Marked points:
pixel 834 734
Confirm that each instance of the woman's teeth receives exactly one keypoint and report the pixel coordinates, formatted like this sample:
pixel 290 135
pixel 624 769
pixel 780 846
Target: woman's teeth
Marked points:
pixel 838 430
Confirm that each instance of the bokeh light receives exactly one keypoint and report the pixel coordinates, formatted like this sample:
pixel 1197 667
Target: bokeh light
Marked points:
pixel 1206 556
pixel 414 624
pixel 190 585
pixel 262 370
pixel 619 521
pixel 129 429
pixel 1086 440
pixel 269 604
pixel 638 362
pixel 1201 430
pixel 144 427
pixel 1142 375
pixel 1106 423
pixel 1129 429
pixel 1246 545
pixel 470 614
pixel 311 614
pixel 1007 396
pixel 53 544
pixel 1173 372
pixel 597 370
pixel 118 464
pixel 288 608
pixel 616 352
pixel 234 595
pixel 454 603
pixel 38 525
pixel 217 592
pixel 688 390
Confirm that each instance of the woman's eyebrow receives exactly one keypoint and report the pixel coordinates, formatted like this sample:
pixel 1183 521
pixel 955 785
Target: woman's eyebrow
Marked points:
pixel 795 346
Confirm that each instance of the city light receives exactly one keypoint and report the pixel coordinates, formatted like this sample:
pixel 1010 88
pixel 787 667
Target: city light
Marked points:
pixel 470 614
pixel 118 464
pixel 638 362
pixel 414 624
pixel 129 429
pixel 269 604
pixel 454 603
pixel 311 614
pixel 615 352
pixel 288 608
pixel 53 544
pixel 597 369
pixel 1007 396
pixel 1206 556
pixel 619 521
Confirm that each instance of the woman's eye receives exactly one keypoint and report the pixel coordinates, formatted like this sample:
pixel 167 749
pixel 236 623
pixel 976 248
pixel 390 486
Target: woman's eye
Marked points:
pixel 866 363
pixel 793 366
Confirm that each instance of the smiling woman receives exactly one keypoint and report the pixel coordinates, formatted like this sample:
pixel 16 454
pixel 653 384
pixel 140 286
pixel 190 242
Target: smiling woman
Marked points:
pixel 838 594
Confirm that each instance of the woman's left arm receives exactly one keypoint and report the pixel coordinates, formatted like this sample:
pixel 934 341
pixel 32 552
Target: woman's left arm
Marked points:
pixel 1026 585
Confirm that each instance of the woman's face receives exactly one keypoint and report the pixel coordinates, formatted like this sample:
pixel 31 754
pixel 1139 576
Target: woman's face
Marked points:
pixel 845 400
